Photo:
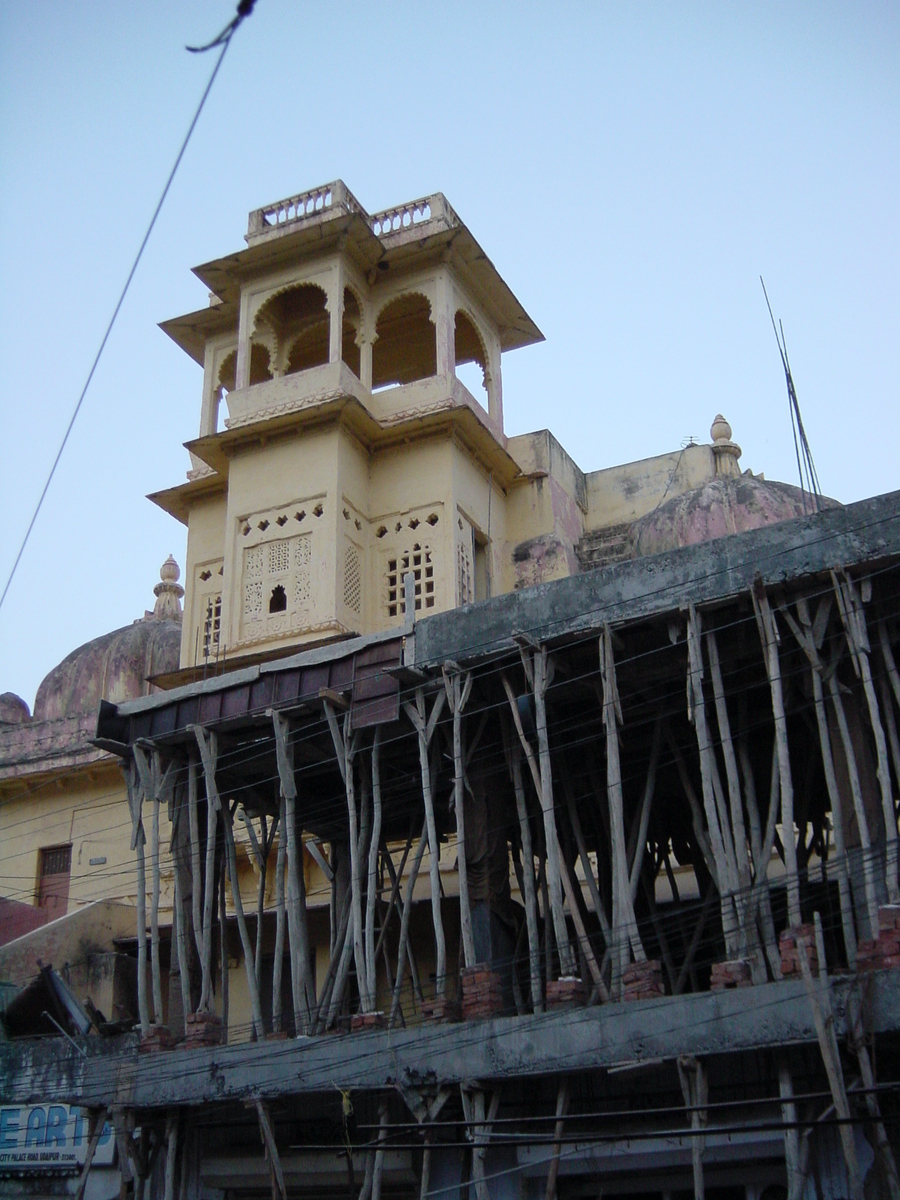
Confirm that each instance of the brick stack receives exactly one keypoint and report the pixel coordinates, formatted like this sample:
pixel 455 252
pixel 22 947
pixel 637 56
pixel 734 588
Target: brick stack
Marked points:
pixel 567 992
pixel 203 1029
pixel 728 975
pixel 363 1021
pixel 643 981
pixel 884 952
pixel 481 993
pixel 790 955
pixel 441 1010
pixel 159 1038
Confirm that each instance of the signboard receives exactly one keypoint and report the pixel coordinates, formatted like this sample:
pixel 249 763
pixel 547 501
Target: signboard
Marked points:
pixel 48 1137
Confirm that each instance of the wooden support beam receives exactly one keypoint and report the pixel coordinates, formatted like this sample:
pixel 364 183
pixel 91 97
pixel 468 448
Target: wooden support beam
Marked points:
pixel 859 807
pixel 280 864
pixel 172 1124
pixel 804 632
pixel 372 878
pixel 562 1108
pixel 769 636
pixel 267 1134
pixel 346 743
pixel 626 938
pixel 854 619
pixel 179 915
pixel 717 822
pixel 856 1037
pixel 457 692
pixel 551 854
pixel 213 807
pixel 738 832
pixel 695 1089
pixel 404 922
pixel 302 986
pixel 637 843
pixel 96 1123
pixel 135 786
pixel 396 900
pixel 819 995
pixel 378 1171
pixel 425 725
pixel 529 895
pixel 791 1132
pixel 208 746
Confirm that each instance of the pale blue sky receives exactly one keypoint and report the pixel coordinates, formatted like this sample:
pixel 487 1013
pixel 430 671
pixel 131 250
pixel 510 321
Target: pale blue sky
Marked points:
pixel 630 168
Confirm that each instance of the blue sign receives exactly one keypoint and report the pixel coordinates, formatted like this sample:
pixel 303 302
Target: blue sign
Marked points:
pixel 47 1137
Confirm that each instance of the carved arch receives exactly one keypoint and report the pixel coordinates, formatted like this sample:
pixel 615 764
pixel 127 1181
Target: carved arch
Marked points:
pixel 405 347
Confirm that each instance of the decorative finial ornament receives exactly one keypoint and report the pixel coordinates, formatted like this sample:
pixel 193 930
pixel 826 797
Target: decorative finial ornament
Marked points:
pixel 168 592
pixel 725 451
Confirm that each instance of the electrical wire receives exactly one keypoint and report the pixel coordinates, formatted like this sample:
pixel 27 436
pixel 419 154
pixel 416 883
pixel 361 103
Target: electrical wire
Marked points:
pixel 224 39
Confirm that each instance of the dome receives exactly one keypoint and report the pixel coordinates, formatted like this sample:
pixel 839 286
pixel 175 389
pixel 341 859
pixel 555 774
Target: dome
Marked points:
pixel 13 709
pixel 722 506
pixel 117 665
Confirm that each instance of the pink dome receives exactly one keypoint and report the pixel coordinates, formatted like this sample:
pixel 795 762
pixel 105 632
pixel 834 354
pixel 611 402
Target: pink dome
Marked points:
pixel 726 505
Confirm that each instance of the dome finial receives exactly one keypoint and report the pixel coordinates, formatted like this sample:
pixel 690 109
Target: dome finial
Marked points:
pixel 725 451
pixel 168 592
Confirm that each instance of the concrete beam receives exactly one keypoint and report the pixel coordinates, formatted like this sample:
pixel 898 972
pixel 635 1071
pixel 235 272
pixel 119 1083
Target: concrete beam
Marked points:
pixel 868 531
pixel 113 1073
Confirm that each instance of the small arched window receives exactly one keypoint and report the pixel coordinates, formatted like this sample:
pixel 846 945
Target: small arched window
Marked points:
pixel 278 599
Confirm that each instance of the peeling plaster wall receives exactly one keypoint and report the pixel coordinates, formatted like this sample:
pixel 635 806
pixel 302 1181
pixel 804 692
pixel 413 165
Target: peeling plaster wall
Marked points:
pixel 624 493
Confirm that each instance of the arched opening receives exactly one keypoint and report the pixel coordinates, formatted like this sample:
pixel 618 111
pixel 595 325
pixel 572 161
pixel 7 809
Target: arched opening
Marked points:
pixel 405 348
pixel 471 358
pixel 299 319
pixel 260 368
pixel 349 332
pixel 225 382
pixel 278 599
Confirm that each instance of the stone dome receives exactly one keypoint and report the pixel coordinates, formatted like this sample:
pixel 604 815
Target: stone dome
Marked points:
pixel 13 709
pixel 721 506
pixel 117 665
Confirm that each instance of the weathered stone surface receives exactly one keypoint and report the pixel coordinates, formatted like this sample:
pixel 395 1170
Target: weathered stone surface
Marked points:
pixel 509 1048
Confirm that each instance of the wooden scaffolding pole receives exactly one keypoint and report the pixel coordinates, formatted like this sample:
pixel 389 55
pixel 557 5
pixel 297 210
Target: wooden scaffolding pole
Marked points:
pixel 345 747
pixel 425 725
pixel 552 872
pixel 135 787
pixel 457 693
pixel 372 880
pixel 626 939
pixel 207 743
pixel 302 988
pixel 769 636
pixel 854 619
pixel 717 821
pixel 810 636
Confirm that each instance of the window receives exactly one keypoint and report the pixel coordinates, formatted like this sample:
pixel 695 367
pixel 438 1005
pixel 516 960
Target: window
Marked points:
pixel 277 584
pixel 418 560
pixel 54 869
pixel 212 625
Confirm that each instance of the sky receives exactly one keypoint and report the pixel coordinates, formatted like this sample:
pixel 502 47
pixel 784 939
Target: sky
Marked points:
pixel 630 168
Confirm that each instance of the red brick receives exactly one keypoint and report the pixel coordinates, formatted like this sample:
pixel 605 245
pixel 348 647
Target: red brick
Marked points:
pixel 363 1021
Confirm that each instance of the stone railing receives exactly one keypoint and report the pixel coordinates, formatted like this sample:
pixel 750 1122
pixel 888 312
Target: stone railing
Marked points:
pixel 302 207
pixel 316 202
pixel 417 212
